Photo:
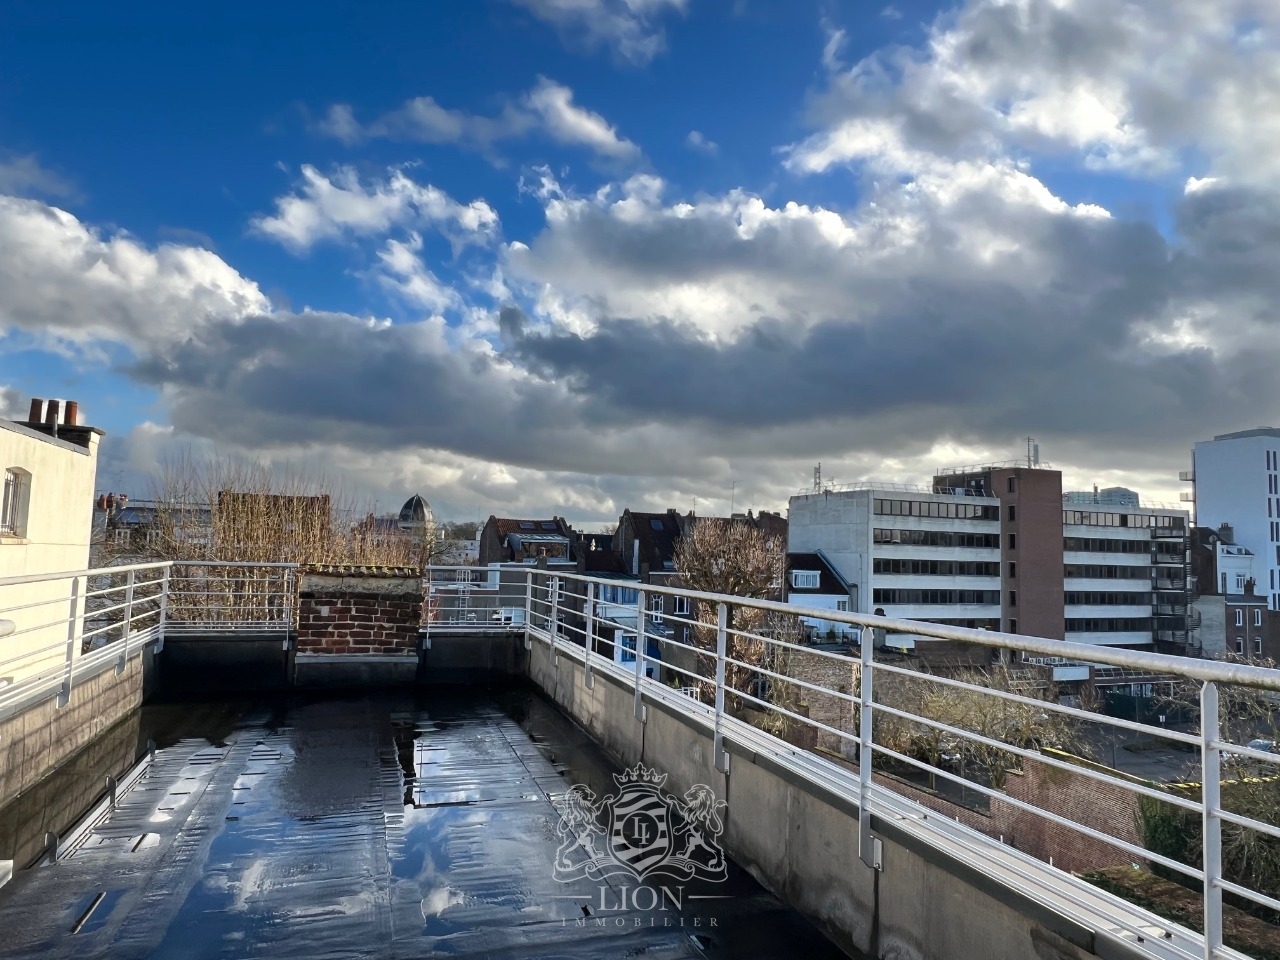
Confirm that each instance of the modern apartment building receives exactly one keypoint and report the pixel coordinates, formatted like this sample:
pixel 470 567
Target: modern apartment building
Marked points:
pixel 1237 482
pixel 997 546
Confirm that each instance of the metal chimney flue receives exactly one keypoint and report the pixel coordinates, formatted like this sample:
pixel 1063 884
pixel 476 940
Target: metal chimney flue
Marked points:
pixel 71 414
pixel 53 412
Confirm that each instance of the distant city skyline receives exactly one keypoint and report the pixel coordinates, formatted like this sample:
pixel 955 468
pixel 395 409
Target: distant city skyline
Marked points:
pixel 532 258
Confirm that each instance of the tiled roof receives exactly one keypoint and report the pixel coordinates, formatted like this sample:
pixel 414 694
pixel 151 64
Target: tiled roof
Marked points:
pixel 554 525
pixel 658 534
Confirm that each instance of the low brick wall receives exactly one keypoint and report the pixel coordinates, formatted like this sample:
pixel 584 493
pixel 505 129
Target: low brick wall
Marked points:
pixel 359 610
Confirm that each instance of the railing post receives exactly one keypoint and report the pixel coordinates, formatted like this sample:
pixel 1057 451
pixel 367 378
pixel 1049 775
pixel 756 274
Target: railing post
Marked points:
pixel 722 645
pixel 868 851
pixel 68 670
pixel 1211 823
pixel 640 613
pixel 553 587
pixel 164 606
pixel 127 627
pixel 528 604
pixel 589 637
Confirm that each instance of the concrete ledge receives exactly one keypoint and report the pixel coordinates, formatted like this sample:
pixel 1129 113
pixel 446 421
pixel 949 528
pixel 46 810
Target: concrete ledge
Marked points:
pixel 471 657
pixel 226 661
pixel 353 670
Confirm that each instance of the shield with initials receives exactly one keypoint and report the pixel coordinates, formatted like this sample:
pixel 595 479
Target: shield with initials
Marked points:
pixel 640 829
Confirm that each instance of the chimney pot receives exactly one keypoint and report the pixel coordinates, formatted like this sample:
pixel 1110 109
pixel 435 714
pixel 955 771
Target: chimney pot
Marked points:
pixel 36 414
pixel 71 414
pixel 53 411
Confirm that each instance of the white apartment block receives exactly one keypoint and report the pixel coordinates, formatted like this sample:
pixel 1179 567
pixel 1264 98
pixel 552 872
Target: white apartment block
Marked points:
pixel 998 547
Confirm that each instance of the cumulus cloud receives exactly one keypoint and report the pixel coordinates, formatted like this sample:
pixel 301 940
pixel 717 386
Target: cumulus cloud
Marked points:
pixel 331 207
pixel 631 29
pixel 62 281
pixel 1131 87
pixel 547 109
pixel 696 141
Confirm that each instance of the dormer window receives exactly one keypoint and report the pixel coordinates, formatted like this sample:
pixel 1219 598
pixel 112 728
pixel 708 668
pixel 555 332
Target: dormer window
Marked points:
pixel 804 579
pixel 656 524
pixel 526 525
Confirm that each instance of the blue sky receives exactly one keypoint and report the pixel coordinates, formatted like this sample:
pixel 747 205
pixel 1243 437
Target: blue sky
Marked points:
pixel 635 250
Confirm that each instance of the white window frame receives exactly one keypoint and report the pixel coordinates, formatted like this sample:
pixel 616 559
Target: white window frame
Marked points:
pixel 805 579
pixel 1239 617
pixel 656 605
pixel 15 501
pixel 1257 617
pixel 681 607
pixel 1239 582
pixel 1239 644
pixel 1257 646
pixel 842 606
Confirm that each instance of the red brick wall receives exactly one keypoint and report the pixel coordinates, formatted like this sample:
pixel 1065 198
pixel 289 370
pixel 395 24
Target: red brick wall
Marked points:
pixel 349 611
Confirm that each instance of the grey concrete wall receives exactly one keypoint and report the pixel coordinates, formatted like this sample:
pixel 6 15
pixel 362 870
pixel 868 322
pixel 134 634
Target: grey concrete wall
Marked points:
pixel 58 802
pixel 36 741
pixel 471 657
pixel 220 662
pixel 801 842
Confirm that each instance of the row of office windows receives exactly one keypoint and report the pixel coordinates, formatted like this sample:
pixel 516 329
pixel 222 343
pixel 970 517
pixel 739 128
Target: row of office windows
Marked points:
pixel 1101 598
pixel 934 508
pixel 941 568
pixel 894 595
pixel 1094 571
pixel 936 538
pixel 1108 624
pixel 1099 518
pixel 1101 545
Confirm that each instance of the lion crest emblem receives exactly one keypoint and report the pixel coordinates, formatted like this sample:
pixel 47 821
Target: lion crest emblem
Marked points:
pixel 640 832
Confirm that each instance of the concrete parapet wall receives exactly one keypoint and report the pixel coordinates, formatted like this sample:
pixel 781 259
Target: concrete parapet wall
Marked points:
pixel 35 741
pixel 359 610
pixel 801 841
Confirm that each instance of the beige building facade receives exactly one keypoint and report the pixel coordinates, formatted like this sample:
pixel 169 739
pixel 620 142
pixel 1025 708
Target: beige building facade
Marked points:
pixel 49 466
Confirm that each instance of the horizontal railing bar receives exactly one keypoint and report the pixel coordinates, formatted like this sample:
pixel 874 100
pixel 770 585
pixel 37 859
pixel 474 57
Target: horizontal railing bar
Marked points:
pixel 1038 757
pixel 1261 899
pixel 1206 670
pixel 1129 848
pixel 1048 705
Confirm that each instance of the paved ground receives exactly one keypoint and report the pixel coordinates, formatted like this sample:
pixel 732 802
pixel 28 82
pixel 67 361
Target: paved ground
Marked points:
pixel 370 827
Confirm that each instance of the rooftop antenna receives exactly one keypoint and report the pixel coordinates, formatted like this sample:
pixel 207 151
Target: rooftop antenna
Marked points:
pixel 1033 453
pixel 817 479
pixel 733 491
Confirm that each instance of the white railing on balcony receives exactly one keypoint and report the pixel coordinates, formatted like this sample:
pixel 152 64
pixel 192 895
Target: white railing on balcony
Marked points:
pixel 740 668
pixel 65 626
pixel 898 739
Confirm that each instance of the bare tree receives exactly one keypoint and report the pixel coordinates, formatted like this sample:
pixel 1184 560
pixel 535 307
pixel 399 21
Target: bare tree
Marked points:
pixel 734 558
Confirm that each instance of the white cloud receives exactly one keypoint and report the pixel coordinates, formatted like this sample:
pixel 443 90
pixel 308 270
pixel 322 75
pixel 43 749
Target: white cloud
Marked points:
pixel 697 142
pixel 404 273
pixel 64 282
pixel 547 108
pixel 21 174
pixel 1135 87
pixel 629 28
pixel 327 208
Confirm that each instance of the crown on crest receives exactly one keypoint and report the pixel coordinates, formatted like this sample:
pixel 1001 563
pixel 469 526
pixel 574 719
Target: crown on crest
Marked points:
pixel 640 774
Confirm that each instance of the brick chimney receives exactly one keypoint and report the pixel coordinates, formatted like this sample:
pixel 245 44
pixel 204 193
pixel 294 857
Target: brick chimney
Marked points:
pixel 56 418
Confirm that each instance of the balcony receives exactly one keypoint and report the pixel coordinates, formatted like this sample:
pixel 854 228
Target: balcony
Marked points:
pixel 1169 583
pixel 1187 476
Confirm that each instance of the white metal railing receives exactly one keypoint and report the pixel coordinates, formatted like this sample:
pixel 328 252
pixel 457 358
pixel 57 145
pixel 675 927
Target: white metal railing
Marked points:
pixel 221 596
pixel 742 669
pixel 475 599
pixel 69 625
